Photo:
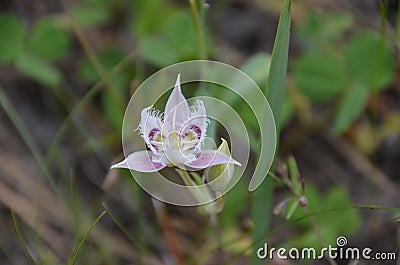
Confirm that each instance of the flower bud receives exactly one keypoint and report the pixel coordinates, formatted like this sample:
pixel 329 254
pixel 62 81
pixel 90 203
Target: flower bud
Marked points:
pixel 303 202
pixel 219 176
pixel 213 207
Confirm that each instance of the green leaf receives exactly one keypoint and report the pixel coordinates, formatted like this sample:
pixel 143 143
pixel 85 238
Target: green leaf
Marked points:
pixel 287 112
pixel 326 28
pixel 350 108
pixel 112 110
pixel 108 58
pixel 180 34
pixel 329 225
pixel 156 50
pixel 294 175
pixel 49 40
pixel 256 67
pixel 370 60
pixel 319 76
pixel 38 69
pixel 236 202
pixel 90 15
pixel 262 196
pixel 11 37
pixel 277 74
pixel 291 208
pixel 147 17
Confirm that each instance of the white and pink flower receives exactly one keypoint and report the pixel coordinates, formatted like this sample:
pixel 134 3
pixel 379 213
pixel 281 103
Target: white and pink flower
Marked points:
pixel 174 138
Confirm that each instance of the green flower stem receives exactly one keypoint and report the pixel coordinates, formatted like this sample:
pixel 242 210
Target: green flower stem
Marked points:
pixel 198 21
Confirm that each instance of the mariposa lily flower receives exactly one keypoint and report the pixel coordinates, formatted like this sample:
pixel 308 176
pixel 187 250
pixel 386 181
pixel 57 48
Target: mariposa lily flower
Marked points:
pixel 174 138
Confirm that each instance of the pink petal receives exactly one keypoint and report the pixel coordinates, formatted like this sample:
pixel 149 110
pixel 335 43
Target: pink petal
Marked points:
pixel 210 158
pixel 177 109
pixel 140 161
pixel 198 118
pixel 149 121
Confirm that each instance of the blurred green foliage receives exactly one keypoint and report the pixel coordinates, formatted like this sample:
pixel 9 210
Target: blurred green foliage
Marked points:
pixel 49 39
pixel 370 60
pixel 34 53
pixel 38 69
pixel 11 37
pixel 320 76
pixel 175 41
pixel 337 68
pixel 331 224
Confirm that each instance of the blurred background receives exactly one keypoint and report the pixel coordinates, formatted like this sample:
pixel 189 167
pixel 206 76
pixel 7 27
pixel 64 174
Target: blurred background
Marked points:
pixel 68 69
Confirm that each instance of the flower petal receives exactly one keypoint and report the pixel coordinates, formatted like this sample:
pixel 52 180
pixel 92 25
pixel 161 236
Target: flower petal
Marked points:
pixel 210 158
pixel 176 157
pixel 140 161
pixel 197 123
pixel 198 116
pixel 149 124
pixel 177 109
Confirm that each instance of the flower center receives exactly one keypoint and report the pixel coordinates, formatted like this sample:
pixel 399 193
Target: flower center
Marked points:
pixel 155 139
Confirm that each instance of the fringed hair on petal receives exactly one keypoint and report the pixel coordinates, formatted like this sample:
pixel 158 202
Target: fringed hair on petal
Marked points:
pixel 194 109
pixel 144 132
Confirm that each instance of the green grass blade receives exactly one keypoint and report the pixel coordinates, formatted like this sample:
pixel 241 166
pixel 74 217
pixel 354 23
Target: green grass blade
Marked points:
pixel 135 242
pixel 262 197
pixel 21 238
pixel 83 240
pixel 27 138
pixel 277 74
pixel 52 151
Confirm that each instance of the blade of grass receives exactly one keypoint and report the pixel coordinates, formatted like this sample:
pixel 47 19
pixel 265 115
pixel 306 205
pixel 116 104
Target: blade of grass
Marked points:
pixel 27 138
pixel 84 101
pixel 262 197
pixel 93 58
pixel 383 6
pixel 83 240
pixel 125 231
pixel 21 238
pixel 279 60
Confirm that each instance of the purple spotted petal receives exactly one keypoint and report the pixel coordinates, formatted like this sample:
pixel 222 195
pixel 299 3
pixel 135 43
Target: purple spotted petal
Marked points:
pixel 210 158
pixel 197 123
pixel 177 109
pixel 198 116
pixel 150 124
pixel 140 161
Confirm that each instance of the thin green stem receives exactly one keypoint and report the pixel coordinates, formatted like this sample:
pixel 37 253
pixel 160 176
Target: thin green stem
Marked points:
pixel 95 61
pixel 318 233
pixel 125 231
pixel 52 150
pixel 83 240
pixel 21 238
pixel 198 21
pixel 23 132
pixel 218 235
